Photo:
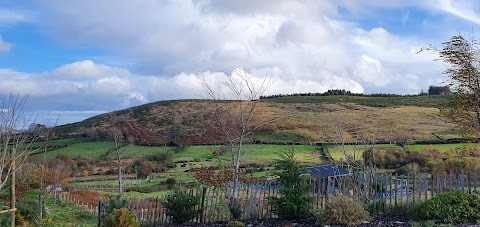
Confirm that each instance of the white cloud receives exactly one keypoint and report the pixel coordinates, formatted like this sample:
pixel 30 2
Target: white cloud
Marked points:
pixel 305 46
pixel 9 16
pixel 4 46
pixel 86 69
pixel 460 8
pixel 305 42
pixel 370 70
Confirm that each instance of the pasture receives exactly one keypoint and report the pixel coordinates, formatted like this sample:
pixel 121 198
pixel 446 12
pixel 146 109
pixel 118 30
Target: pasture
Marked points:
pixel 185 158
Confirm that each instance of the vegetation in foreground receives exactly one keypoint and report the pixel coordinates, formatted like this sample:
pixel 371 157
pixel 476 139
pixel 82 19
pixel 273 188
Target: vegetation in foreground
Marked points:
pixel 449 208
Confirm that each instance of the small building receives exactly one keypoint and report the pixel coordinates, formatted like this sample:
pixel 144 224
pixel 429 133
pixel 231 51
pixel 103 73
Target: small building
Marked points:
pixel 331 170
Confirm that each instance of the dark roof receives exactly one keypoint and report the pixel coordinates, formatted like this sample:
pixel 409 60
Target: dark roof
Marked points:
pixel 327 171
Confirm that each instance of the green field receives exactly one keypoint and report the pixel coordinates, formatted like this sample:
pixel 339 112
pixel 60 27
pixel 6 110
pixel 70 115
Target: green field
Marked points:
pixel 420 101
pixel 189 157
pixel 251 152
pixel 132 151
pixel 441 147
pixel 59 142
pixel 336 152
pixel 83 149
pixel 60 213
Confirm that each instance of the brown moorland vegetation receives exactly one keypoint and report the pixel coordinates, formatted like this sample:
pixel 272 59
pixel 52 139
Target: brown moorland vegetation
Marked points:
pixel 190 122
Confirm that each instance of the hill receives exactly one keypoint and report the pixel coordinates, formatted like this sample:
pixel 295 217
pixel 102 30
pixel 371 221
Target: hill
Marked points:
pixel 304 119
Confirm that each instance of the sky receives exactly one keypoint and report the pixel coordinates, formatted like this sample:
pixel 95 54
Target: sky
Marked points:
pixel 76 59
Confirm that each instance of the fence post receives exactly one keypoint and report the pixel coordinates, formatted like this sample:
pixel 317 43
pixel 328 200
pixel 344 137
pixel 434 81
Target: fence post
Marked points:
pixel 100 204
pixel 202 206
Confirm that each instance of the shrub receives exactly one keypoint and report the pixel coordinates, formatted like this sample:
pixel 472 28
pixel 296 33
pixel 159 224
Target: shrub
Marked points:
pixel 180 205
pixel 293 202
pixel 147 189
pixel 20 220
pixel 121 218
pixel 450 207
pixel 235 224
pixel 25 208
pixel 115 203
pixel 235 210
pixel 170 182
pixel 342 210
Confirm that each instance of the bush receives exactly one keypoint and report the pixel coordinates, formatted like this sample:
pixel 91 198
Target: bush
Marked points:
pixel 235 210
pixel 450 207
pixel 115 203
pixel 170 182
pixel 121 218
pixel 235 224
pixel 293 202
pixel 180 205
pixel 20 220
pixel 342 210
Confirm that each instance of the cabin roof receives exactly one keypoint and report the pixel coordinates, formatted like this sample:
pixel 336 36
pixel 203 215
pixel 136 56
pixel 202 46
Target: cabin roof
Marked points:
pixel 324 171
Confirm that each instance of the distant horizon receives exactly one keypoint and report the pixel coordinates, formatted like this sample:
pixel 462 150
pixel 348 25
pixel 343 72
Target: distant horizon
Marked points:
pixel 80 58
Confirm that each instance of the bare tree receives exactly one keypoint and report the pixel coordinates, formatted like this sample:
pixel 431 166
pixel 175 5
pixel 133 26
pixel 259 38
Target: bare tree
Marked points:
pixel 236 119
pixel 118 137
pixel 16 143
pixel 58 171
pixel 361 160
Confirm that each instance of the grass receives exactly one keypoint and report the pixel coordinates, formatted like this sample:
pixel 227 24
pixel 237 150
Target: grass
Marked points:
pixel 133 151
pixel 202 156
pixel 336 152
pixel 86 149
pixel 61 213
pixel 264 152
pixel 59 142
pixel 441 147
pixel 420 101
pixel 251 153
pixel 303 119
pixel 191 153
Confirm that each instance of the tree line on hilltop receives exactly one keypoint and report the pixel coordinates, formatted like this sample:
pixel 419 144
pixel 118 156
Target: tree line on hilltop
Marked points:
pixel 432 90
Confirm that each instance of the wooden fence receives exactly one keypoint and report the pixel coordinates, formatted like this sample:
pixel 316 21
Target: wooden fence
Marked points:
pixel 378 193
pixel 106 188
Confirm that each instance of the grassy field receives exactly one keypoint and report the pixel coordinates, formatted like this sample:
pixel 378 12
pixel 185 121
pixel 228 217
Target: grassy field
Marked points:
pixel 60 213
pixel 189 157
pixel 420 101
pixel 203 155
pixel 441 147
pixel 132 151
pixel 304 119
pixel 83 149
pixel 60 142
pixel 251 153
pixel 337 152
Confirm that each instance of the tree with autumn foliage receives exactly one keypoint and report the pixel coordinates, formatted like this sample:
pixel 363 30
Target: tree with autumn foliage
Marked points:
pixel 462 57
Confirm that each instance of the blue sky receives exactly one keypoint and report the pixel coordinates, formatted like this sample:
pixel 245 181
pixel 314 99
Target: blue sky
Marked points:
pixel 76 59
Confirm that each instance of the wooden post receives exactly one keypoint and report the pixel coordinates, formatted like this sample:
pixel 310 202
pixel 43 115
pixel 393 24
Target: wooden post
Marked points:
pixel 100 204
pixel 202 206
pixel 12 187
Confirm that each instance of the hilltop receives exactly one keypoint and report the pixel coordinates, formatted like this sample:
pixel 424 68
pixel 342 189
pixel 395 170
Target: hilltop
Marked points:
pixel 304 119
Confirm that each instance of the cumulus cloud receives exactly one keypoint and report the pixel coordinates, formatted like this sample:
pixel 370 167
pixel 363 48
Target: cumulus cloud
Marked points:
pixel 305 42
pixel 305 46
